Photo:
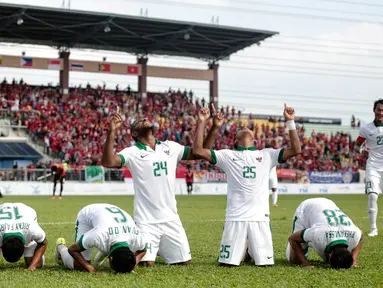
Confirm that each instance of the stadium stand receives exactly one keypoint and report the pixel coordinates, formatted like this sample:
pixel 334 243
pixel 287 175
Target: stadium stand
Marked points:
pixel 75 131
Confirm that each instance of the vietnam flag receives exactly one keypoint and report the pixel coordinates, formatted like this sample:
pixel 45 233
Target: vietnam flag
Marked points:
pixel 104 67
pixel 132 69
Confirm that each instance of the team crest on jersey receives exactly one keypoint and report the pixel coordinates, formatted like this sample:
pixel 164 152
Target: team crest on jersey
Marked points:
pixel 259 159
pixel 167 152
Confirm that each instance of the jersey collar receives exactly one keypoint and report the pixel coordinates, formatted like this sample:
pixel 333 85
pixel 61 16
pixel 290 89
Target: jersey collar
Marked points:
pixel 333 243
pixel 118 245
pixel 241 148
pixel 17 234
pixel 376 124
pixel 141 146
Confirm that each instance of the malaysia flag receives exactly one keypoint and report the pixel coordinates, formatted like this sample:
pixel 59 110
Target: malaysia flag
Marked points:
pixel 26 62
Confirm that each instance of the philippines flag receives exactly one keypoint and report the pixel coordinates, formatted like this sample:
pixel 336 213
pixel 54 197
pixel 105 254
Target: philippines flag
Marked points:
pixel 26 62
pixel 54 64
pixel 133 69
pixel 77 67
pixel 104 67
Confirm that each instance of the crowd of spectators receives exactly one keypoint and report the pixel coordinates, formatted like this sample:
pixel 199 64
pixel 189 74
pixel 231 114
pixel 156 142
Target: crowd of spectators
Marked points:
pixel 74 129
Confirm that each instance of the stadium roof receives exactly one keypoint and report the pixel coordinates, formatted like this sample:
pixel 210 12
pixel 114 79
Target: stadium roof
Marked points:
pixel 139 35
pixel 17 150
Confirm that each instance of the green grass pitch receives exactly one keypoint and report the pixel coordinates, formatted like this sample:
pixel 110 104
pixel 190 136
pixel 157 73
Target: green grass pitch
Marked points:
pixel 203 219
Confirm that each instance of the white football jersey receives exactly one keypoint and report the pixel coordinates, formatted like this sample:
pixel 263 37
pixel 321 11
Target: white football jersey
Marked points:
pixel 112 228
pixel 154 178
pixel 327 226
pixel 374 142
pixel 18 219
pixel 247 173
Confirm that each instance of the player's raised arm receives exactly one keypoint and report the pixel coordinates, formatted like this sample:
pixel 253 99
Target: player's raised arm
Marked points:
pixel 355 252
pixel 199 151
pixel 218 120
pixel 208 143
pixel 109 159
pixel 358 147
pixel 294 148
pixel 297 255
pixel 75 251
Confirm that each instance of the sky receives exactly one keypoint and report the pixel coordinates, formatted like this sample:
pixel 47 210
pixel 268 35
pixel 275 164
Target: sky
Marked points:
pixel 327 60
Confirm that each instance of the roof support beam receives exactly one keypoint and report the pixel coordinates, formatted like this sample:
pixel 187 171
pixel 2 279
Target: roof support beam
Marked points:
pixel 11 19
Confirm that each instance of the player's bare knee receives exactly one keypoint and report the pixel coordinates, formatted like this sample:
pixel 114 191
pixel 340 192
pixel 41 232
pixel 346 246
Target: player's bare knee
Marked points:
pixel 147 263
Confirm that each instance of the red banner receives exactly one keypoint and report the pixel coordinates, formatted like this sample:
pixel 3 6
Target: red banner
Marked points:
pixel 286 173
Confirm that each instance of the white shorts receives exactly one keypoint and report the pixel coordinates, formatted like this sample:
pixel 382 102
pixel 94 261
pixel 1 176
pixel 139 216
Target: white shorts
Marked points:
pixel 374 181
pixel 168 240
pixel 233 243
pixel 298 225
pixel 83 225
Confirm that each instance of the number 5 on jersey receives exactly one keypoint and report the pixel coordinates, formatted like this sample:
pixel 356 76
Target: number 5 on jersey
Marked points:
pixel 160 168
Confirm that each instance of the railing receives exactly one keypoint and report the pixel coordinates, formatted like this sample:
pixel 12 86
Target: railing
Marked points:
pixel 44 175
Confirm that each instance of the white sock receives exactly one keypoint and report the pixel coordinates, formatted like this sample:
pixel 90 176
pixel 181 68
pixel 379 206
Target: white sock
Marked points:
pixel 372 209
pixel 43 261
pixel 65 256
pixel 274 197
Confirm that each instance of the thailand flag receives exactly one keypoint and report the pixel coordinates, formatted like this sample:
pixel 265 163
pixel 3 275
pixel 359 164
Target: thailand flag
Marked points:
pixel 77 67
pixel 26 62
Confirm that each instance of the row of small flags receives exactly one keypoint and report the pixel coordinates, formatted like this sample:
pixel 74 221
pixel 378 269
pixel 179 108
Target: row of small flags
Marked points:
pixel 55 64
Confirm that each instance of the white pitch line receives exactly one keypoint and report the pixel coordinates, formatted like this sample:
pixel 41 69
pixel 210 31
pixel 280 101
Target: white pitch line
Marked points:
pixel 186 221
pixel 73 223
pixel 56 223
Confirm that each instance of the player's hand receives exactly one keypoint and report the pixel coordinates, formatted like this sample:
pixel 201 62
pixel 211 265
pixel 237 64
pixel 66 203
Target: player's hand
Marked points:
pixel 204 114
pixel 218 118
pixel 31 268
pixel 91 269
pixel 289 113
pixel 116 120
pixel 355 265
pixel 365 152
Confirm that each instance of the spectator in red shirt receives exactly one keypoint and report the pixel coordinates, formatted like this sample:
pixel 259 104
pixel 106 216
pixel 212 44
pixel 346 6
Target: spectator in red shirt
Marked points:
pixel 189 180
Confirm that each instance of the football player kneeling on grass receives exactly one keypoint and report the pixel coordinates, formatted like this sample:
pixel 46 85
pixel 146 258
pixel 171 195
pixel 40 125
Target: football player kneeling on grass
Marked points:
pixel 109 229
pixel 318 223
pixel 21 235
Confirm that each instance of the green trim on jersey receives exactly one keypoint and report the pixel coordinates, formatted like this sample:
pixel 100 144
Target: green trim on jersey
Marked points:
pixel 376 124
pixel 213 157
pixel 280 156
pixel 294 221
pixel 333 243
pixel 80 242
pixel 140 146
pixel 17 234
pixel 42 242
pixel 118 245
pixel 122 159
pixel 186 152
pixel 241 148
pixel 303 234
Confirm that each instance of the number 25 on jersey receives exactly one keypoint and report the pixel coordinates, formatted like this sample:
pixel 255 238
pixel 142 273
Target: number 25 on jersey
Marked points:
pixel 249 172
